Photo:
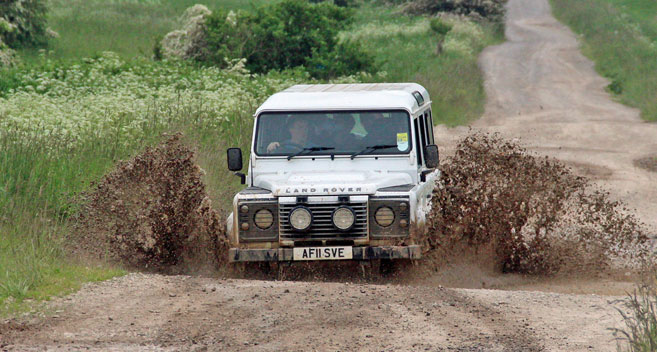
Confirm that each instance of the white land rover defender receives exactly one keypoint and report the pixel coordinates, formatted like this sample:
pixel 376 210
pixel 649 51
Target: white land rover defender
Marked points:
pixel 337 171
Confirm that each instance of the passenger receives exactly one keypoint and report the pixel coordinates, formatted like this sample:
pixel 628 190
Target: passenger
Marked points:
pixel 378 131
pixel 342 136
pixel 299 129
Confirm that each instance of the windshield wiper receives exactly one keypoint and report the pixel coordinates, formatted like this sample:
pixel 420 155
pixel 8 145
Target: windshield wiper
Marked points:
pixel 372 148
pixel 308 151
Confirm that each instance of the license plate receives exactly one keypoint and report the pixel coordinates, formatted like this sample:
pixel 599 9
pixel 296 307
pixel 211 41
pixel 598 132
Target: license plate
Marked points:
pixel 322 253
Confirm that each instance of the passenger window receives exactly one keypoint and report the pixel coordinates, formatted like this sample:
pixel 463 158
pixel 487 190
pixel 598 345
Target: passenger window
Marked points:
pixel 418 146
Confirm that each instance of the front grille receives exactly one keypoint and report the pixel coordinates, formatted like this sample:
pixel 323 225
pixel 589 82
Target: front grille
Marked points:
pixel 322 226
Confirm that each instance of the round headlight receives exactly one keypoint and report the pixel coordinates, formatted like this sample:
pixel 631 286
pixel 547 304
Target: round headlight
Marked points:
pixel 343 218
pixel 384 216
pixel 300 219
pixel 263 219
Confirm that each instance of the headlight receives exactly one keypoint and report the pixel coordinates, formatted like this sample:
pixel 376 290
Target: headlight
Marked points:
pixel 300 219
pixel 343 218
pixel 384 216
pixel 263 219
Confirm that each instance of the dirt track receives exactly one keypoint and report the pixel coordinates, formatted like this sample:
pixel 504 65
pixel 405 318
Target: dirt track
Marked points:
pixel 541 90
pixel 153 312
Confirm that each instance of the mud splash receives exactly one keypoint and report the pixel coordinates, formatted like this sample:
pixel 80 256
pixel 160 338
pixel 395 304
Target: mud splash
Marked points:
pixel 533 213
pixel 153 211
pixel 495 202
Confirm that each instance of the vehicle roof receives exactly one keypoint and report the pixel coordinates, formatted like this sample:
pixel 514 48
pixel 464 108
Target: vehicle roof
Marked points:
pixel 360 96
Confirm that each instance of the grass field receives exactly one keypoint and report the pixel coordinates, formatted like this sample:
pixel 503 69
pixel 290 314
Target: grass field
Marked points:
pixel 620 36
pixel 67 116
pixel 127 27
pixel 405 49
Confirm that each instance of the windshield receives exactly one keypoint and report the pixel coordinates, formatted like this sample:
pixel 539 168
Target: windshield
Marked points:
pixel 326 133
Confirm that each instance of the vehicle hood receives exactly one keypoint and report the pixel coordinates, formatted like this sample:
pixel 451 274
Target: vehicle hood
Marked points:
pixel 338 183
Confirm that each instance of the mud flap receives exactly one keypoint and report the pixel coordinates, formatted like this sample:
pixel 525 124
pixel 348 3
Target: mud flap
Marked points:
pixel 359 253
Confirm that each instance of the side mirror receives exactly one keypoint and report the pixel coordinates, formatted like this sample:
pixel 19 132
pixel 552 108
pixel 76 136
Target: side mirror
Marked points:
pixel 431 156
pixel 234 157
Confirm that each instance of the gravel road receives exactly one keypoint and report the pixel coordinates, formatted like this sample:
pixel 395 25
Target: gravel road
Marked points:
pixel 153 312
pixel 541 90
pixel 544 92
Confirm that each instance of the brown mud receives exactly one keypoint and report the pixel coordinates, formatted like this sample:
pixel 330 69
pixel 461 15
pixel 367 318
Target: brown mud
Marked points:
pixel 152 212
pixel 541 89
pixel 647 163
pixel 508 210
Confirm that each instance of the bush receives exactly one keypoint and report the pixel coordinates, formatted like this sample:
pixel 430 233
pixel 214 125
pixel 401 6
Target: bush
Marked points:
pixel 280 36
pixel 640 317
pixel 346 59
pixel 440 27
pixel 23 23
pixel 490 9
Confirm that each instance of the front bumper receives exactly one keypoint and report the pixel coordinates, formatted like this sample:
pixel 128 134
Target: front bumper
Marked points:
pixel 359 253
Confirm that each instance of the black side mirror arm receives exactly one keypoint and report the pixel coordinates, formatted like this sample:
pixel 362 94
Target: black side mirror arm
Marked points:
pixel 423 175
pixel 242 177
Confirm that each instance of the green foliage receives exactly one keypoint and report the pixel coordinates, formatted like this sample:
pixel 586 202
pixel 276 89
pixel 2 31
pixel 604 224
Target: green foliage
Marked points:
pixel 403 48
pixel 345 59
pixel 341 3
pixel 640 317
pixel 65 125
pixel 23 23
pixel 439 26
pixel 489 9
pixel 126 27
pixel 620 36
pixel 288 34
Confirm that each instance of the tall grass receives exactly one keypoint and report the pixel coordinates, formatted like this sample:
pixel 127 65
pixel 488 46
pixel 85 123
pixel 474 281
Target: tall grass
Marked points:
pixel 639 313
pixel 66 121
pixel 405 48
pixel 127 27
pixel 620 36
pixel 62 126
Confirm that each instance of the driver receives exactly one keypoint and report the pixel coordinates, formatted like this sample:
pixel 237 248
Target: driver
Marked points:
pixel 299 129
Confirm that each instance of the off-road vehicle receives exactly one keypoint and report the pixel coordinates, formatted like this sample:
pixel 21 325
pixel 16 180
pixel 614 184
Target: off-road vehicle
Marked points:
pixel 336 171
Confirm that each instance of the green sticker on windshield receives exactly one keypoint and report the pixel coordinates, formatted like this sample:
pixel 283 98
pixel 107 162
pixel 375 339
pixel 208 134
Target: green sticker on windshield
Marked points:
pixel 402 141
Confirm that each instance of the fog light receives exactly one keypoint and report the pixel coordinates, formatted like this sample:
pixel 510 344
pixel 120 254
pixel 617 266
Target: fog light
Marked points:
pixel 384 216
pixel 263 219
pixel 244 209
pixel 344 218
pixel 245 226
pixel 403 223
pixel 300 219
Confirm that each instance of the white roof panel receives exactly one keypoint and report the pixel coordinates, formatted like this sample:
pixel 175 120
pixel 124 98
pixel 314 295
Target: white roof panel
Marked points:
pixel 309 97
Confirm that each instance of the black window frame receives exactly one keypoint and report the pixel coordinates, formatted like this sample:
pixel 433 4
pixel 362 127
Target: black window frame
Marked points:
pixel 418 146
pixel 430 127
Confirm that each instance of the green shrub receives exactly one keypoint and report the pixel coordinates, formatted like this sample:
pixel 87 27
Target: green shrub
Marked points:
pixel 347 58
pixel 439 26
pixel 490 9
pixel 341 3
pixel 284 35
pixel 23 23
pixel 640 316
